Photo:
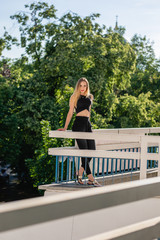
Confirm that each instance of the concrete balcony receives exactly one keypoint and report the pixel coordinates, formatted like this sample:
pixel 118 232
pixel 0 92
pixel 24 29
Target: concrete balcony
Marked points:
pixel 119 156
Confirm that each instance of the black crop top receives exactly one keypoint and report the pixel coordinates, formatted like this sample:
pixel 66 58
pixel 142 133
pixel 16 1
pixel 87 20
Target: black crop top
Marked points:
pixel 83 103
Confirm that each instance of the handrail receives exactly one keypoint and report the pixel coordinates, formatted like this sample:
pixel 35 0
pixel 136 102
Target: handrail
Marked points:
pixel 97 153
pixel 138 131
pixel 131 130
pixel 95 135
pixel 108 137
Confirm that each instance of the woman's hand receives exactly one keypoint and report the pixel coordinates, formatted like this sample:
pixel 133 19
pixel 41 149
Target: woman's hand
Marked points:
pixel 61 129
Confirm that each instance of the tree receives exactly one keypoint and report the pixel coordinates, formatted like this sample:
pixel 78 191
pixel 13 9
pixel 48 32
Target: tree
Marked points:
pixel 146 77
pixel 42 166
pixel 9 124
pixel 2 45
pixel 34 29
pixel 135 111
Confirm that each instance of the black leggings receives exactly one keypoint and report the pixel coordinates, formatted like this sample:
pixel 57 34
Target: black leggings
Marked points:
pixel 82 124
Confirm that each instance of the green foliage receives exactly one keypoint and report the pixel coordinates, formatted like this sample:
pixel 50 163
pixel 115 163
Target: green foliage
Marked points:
pixel 147 76
pixel 135 112
pixel 62 99
pixel 9 123
pixel 81 47
pixel 42 166
pixel 34 29
pixel 2 45
pixel 7 41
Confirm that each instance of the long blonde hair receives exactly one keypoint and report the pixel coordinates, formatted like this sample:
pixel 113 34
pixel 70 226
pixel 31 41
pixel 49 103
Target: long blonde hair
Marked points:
pixel 77 94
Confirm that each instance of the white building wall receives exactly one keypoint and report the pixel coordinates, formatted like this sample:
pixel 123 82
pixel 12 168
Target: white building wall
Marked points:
pixel 88 224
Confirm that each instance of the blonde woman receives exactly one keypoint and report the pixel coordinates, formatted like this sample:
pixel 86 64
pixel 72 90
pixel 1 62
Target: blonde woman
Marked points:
pixel 81 101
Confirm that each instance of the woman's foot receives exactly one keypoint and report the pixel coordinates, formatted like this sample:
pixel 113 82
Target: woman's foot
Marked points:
pixel 79 179
pixel 79 174
pixel 93 183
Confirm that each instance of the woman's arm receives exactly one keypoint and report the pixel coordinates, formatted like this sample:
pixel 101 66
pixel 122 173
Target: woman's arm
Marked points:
pixel 89 112
pixel 91 97
pixel 69 115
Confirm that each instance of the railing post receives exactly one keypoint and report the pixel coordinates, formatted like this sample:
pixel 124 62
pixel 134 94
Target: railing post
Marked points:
pixel 76 159
pixel 73 167
pixel 143 163
pixel 159 159
pixel 56 169
pixel 69 167
pixel 62 164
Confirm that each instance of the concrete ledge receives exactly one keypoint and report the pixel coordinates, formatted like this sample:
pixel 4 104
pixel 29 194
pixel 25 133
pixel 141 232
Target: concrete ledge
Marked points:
pixel 39 210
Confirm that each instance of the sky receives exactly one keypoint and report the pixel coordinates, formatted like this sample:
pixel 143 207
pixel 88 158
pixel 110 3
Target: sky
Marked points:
pixel 137 16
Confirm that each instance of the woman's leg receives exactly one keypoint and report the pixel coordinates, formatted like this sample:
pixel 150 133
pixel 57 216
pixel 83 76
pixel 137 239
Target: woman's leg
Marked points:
pixel 82 144
pixel 92 146
pixel 80 125
pixel 86 144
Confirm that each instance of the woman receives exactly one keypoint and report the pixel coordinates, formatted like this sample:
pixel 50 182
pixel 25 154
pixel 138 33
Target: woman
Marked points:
pixel 81 101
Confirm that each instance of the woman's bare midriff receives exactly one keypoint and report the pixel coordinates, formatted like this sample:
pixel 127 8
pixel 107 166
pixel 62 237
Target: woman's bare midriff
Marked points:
pixel 84 113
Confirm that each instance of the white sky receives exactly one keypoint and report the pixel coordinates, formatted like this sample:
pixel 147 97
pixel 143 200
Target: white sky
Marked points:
pixel 137 16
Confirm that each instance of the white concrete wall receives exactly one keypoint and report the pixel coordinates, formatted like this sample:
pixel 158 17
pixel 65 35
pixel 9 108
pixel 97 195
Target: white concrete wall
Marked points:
pixel 80 214
pixel 88 224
